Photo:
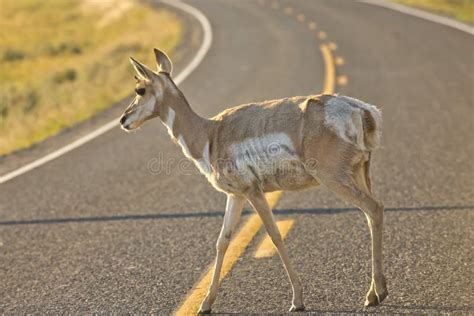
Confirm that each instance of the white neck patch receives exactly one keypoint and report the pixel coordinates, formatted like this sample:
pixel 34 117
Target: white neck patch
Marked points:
pixel 185 148
pixel 204 164
pixel 169 121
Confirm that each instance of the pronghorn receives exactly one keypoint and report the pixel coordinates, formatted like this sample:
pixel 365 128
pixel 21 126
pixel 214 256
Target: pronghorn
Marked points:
pixel 277 145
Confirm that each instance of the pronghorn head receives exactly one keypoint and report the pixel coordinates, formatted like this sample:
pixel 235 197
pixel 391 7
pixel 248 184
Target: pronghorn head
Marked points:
pixel 151 91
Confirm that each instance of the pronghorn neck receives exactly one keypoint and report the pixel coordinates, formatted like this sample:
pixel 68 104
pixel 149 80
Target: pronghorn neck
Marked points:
pixel 185 126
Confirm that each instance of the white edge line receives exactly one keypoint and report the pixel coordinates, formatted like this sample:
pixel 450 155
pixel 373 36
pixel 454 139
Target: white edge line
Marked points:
pixel 423 15
pixel 205 46
pixel 207 38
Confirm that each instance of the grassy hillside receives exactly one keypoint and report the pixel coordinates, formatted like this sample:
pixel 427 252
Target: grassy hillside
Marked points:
pixel 462 10
pixel 62 61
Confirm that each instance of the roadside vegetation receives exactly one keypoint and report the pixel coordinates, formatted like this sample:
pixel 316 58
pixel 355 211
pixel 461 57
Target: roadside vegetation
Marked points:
pixel 462 10
pixel 62 61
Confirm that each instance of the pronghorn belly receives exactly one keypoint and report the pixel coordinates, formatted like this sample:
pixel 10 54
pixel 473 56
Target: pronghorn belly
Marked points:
pixel 270 161
pixel 289 175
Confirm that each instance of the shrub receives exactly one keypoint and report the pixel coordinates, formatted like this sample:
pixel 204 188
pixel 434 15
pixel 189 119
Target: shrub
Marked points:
pixel 31 100
pixel 12 55
pixel 64 76
pixel 63 49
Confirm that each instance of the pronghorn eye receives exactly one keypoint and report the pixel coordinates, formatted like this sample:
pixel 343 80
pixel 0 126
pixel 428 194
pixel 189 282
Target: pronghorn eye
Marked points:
pixel 140 91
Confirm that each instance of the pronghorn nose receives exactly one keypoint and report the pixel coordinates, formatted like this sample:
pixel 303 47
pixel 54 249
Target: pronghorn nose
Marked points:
pixel 122 119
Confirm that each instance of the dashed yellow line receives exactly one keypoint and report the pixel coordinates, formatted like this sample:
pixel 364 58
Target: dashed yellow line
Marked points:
pixel 266 247
pixel 342 80
pixel 312 26
pixel 300 17
pixel 339 61
pixel 322 35
pixel 288 10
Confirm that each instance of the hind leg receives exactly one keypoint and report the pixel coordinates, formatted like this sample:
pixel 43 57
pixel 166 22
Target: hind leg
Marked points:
pixel 362 179
pixel 352 185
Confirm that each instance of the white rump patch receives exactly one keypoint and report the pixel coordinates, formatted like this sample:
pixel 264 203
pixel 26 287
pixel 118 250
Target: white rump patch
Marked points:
pixel 375 137
pixel 344 116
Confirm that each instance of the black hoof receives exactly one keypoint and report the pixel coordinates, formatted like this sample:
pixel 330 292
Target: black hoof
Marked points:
pixel 382 296
pixel 297 308
pixel 376 300
pixel 201 312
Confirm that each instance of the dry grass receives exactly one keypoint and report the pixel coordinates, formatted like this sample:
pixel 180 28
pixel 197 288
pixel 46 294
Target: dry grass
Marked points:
pixel 62 61
pixel 462 10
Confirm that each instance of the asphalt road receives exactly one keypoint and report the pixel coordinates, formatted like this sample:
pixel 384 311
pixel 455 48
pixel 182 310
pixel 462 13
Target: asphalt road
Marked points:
pixel 104 229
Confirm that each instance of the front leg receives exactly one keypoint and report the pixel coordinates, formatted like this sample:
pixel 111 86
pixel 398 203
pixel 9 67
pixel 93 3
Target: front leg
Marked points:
pixel 231 218
pixel 261 206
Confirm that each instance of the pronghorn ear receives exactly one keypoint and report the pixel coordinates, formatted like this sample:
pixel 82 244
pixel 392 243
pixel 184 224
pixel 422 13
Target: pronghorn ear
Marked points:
pixel 142 70
pixel 163 62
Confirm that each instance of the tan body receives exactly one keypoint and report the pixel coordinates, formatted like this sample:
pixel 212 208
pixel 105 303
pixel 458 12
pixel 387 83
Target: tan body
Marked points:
pixel 287 144
pixel 283 137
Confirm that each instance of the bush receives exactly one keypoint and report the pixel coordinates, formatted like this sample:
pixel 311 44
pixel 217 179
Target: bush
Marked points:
pixel 31 100
pixel 3 111
pixel 12 55
pixel 64 48
pixel 64 76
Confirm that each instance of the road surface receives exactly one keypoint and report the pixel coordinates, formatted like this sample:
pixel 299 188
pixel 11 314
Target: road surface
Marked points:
pixel 122 224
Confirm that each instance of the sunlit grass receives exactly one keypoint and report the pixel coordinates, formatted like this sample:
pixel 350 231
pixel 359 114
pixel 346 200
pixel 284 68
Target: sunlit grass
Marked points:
pixel 62 61
pixel 462 10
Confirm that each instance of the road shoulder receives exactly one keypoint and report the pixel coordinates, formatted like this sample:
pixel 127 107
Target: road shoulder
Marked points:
pixel 184 52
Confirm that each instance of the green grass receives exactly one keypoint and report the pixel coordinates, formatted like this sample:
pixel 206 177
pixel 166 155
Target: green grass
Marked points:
pixel 462 10
pixel 62 61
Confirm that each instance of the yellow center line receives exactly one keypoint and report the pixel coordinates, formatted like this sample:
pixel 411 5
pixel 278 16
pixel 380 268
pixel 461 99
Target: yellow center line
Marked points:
pixel 330 69
pixel 240 242
pixel 266 247
pixel 273 198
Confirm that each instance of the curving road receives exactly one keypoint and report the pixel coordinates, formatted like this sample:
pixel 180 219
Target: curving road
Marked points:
pixel 104 229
